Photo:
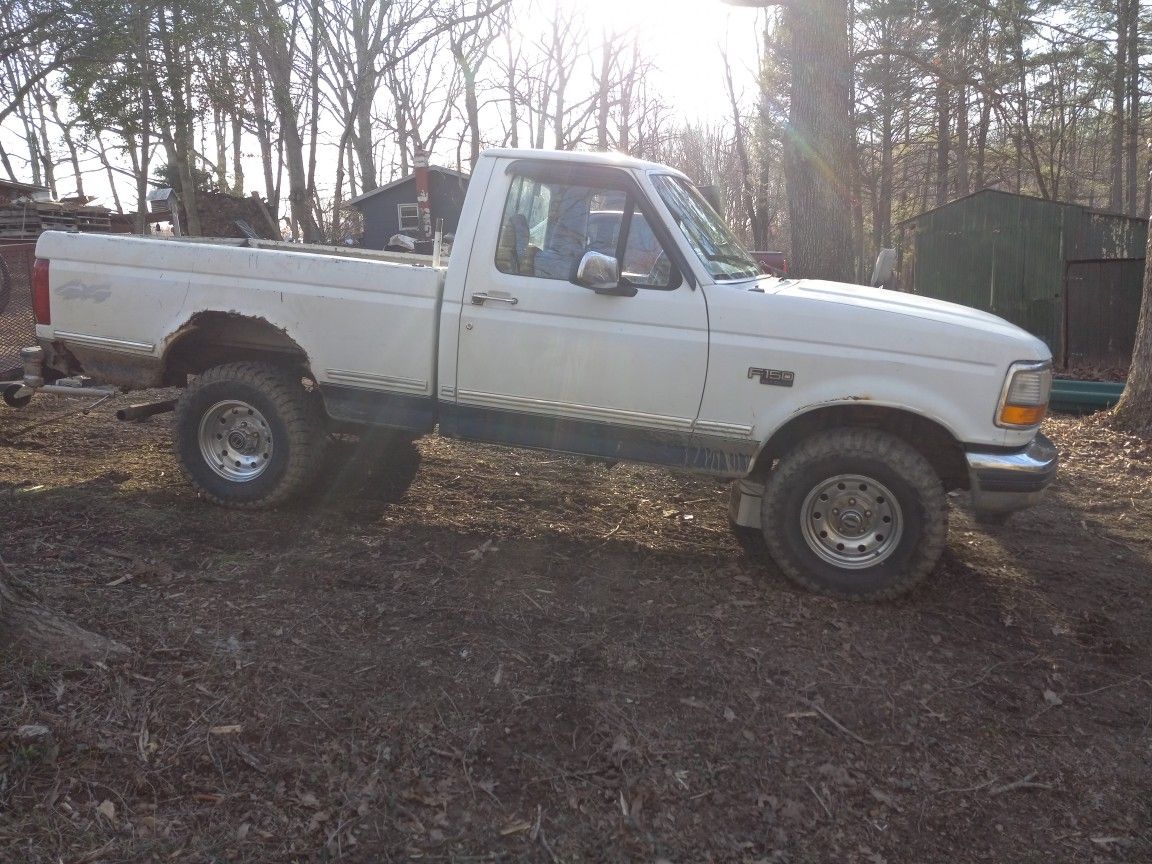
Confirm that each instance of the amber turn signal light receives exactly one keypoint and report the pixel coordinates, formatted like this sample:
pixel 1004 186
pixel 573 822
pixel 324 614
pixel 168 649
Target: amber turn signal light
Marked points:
pixel 1022 415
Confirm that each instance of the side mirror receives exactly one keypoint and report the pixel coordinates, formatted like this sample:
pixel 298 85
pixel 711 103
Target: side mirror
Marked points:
pixel 601 273
pixel 885 267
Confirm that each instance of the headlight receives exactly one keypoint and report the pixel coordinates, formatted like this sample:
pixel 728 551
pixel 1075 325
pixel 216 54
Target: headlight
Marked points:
pixel 1024 398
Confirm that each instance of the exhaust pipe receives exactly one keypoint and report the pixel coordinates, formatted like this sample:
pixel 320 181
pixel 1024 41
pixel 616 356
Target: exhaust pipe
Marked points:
pixel 148 409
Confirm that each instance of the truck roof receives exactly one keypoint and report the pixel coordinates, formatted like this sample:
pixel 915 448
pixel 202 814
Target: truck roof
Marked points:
pixel 620 160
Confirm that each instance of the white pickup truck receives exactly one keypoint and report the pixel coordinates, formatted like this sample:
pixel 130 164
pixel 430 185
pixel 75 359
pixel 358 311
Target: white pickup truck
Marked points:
pixel 592 304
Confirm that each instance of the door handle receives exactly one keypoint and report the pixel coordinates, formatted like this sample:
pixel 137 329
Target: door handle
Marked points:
pixel 478 299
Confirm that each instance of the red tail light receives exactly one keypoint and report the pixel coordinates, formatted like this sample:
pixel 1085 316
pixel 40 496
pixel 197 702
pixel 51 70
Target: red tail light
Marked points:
pixel 41 308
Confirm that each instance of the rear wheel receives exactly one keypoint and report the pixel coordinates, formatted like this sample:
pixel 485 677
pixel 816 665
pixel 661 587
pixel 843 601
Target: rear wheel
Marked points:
pixel 855 513
pixel 249 435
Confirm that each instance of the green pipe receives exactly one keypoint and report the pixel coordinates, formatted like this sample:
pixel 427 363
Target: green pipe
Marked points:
pixel 1084 397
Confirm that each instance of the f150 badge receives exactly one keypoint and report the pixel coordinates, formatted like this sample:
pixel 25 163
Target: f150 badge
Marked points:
pixel 773 377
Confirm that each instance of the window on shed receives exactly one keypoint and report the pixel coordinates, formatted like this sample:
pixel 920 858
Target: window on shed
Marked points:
pixel 409 217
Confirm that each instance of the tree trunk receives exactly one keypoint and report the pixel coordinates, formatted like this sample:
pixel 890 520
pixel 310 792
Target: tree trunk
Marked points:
pixel 471 106
pixel 66 133
pixel 542 115
pixel 982 141
pixel 263 128
pixel 513 99
pixel 943 140
pixel 963 185
pixel 25 624
pixel 1119 78
pixel 313 113
pixel 1134 410
pixel 181 136
pixel 882 201
pixel 299 199
pixel 882 215
pixel 818 151
pixel 6 162
pixel 280 72
pixel 604 95
pixel 237 154
pixel 747 185
pixel 144 58
pixel 985 110
pixel 46 160
pixel 103 154
pixel 351 172
pixel 220 136
pixel 32 141
pixel 1132 146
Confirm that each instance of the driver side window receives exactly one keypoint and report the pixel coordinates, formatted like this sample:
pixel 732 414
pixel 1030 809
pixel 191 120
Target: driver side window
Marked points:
pixel 547 227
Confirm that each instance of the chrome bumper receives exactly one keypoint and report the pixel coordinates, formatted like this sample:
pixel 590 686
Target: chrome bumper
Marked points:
pixel 1003 482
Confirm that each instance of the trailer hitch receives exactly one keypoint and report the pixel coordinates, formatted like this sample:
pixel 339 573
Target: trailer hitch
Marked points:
pixel 18 394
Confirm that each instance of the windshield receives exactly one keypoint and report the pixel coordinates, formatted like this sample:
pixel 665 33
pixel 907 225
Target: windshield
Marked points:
pixel 707 234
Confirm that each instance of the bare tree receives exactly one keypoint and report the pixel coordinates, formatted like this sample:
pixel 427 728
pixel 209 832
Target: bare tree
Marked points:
pixel 274 31
pixel 472 26
pixel 744 161
pixel 424 89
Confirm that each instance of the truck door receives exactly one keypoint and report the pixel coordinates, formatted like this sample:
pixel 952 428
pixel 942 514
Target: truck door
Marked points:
pixel 545 362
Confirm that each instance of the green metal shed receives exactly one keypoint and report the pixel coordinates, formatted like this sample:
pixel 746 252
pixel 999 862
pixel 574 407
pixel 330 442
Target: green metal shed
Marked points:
pixel 1067 273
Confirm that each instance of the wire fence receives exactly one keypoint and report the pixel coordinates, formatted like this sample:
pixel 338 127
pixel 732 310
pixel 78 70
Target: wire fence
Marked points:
pixel 17 326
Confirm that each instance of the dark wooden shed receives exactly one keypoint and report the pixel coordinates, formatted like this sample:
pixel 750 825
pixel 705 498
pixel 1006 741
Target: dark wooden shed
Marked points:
pixel 13 189
pixel 1066 273
pixel 392 209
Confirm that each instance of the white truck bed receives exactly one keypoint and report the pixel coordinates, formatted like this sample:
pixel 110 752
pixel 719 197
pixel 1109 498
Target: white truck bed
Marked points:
pixel 352 313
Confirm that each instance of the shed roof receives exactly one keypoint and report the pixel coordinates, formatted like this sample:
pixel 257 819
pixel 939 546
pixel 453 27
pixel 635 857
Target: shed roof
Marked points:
pixel 17 186
pixel 981 192
pixel 449 172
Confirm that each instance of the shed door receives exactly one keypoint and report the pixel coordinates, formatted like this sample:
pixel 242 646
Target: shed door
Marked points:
pixel 1102 304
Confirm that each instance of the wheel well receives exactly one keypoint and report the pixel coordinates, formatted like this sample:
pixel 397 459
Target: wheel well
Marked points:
pixel 935 443
pixel 213 338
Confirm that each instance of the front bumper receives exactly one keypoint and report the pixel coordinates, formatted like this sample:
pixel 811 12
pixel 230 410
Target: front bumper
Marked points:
pixel 1012 480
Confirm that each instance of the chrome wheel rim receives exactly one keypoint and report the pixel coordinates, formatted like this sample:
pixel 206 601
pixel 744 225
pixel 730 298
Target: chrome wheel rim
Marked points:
pixel 235 441
pixel 851 521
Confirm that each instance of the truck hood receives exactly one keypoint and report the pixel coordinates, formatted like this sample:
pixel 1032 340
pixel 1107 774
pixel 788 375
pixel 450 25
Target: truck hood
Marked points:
pixel 912 305
pixel 944 329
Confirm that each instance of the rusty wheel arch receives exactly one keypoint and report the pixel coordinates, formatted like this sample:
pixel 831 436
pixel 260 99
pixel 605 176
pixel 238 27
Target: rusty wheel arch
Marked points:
pixel 211 339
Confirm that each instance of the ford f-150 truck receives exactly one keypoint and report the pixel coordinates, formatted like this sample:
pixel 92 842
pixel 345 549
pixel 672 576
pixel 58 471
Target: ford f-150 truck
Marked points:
pixel 843 414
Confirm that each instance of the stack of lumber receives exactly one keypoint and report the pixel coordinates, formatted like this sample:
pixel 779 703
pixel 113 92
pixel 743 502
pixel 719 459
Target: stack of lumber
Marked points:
pixel 89 218
pixel 26 220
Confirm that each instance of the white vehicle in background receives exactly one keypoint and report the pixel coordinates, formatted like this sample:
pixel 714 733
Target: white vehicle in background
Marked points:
pixel 843 414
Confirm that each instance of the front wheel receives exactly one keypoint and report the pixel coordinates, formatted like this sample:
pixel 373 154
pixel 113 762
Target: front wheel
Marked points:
pixel 249 435
pixel 856 513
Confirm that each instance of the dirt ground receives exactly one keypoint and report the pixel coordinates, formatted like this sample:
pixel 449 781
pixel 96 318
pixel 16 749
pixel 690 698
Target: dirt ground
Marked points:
pixel 526 657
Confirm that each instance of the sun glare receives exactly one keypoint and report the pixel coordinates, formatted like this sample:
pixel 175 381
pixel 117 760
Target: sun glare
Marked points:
pixel 683 38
